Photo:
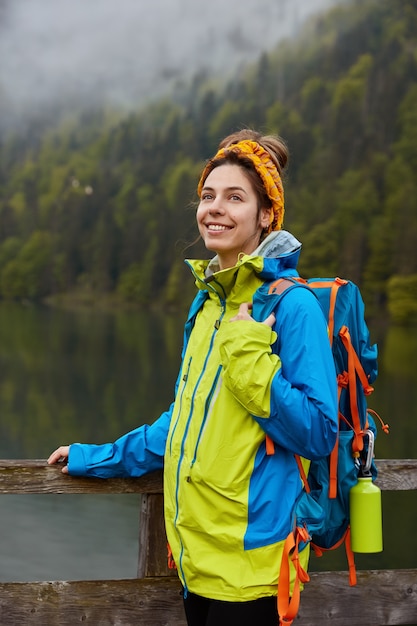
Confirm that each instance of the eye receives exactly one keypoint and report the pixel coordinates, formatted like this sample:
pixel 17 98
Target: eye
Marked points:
pixel 206 196
pixel 236 196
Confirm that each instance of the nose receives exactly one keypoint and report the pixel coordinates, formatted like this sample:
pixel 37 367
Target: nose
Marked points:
pixel 216 206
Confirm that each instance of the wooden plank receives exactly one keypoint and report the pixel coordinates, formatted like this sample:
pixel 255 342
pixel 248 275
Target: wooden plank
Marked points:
pixel 383 597
pixel 151 602
pixel 34 476
pixel 397 474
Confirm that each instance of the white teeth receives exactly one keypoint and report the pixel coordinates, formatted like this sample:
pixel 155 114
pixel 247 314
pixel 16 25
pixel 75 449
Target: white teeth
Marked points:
pixel 216 227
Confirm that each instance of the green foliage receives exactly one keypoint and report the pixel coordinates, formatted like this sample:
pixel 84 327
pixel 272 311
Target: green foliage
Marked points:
pixel 320 251
pixel 350 91
pixel 102 200
pixel 402 298
pixel 9 250
pixel 180 182
pixel 18 203
pixel 224 120
pixel 28 275
pixel 406 146
pixel 178 287
pixel 129 286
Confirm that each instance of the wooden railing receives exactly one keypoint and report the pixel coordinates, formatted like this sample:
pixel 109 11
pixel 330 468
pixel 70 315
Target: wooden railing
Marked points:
pixel 381 597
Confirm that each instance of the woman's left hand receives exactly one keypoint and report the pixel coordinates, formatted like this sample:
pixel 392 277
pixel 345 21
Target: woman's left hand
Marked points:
pixel 244 314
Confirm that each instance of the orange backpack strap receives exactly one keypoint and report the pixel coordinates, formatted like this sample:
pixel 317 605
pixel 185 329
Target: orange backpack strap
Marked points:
pixel 171 562
pixel 349 554
pixel 302 472
pixel 270 446
pixel 334 288
pixel 288 603
pixel 279 286
pixel 354 369
pixel 356 364
pixel 333 461
pixel 350 559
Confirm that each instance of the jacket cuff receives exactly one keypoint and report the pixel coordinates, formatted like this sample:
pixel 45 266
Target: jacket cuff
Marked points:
pixel 76 462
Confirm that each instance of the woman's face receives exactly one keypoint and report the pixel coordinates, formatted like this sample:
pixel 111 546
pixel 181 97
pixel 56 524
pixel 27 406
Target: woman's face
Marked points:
pixel 227 216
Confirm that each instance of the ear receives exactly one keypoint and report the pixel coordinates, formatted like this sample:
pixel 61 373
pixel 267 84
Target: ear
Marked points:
pixel 264 217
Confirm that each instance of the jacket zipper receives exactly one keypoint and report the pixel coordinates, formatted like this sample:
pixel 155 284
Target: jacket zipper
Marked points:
pixel 207 411
pixel 180 460
pixel 184 378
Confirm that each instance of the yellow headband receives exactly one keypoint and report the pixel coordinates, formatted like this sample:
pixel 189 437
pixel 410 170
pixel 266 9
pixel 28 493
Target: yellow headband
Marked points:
pixel 265 168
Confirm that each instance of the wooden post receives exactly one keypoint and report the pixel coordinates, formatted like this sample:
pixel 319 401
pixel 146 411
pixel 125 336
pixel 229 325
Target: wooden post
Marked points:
pixel 152 560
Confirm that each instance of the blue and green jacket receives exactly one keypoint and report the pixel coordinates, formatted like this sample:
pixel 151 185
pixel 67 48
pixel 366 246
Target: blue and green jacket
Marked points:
pixel 228 504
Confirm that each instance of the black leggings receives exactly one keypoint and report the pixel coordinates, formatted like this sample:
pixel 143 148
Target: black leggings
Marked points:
pixel 204 612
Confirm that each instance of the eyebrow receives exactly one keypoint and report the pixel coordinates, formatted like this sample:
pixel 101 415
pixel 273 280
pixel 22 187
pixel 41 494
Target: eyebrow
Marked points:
pixel 232 188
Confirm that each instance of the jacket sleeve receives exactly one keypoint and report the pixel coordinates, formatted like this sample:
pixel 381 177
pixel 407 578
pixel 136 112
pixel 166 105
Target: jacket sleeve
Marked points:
pixel 138 452
pixel 293 396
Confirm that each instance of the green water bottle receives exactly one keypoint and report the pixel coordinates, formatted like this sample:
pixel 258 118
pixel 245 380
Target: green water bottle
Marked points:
pixel 365 516
pixel 366 510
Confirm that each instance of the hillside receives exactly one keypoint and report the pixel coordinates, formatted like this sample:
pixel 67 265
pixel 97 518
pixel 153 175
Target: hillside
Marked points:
pixel 103 203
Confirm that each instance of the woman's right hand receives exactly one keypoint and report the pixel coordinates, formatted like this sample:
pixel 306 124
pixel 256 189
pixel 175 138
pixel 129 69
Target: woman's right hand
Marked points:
pixel 60 455
pixel 244 314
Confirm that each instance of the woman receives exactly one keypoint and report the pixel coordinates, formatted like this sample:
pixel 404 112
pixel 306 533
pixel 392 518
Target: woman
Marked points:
pixel 251 373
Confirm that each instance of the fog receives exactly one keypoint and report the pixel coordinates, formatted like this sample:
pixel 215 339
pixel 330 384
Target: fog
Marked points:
pixel 57 53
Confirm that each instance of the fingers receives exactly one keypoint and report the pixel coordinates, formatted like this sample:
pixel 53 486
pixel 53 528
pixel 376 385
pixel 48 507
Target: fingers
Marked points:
pixel 60 454
pixel 245 308
pixel 270 320
pixel 244 312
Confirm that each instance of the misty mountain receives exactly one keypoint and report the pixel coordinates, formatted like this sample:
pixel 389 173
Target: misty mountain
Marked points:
pixel 57 54
pixel 103 203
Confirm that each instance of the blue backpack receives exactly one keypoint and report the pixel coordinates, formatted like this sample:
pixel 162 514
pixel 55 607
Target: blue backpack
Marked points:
pixel 322 513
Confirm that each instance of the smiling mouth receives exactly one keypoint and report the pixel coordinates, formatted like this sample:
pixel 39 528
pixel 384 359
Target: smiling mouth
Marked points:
pixel 217 227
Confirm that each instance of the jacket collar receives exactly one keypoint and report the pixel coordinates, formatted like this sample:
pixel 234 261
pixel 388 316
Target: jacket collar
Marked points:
pixel 277 255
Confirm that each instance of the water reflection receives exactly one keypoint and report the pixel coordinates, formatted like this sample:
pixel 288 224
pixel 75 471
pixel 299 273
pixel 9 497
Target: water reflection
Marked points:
pixel 80 376
pixel 68 377
pixel 88 376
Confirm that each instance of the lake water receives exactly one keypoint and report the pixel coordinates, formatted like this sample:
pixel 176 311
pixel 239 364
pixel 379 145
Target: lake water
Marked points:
pixel 90 377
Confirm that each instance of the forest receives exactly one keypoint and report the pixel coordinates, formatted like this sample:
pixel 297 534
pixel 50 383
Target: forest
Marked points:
pixel 100 207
